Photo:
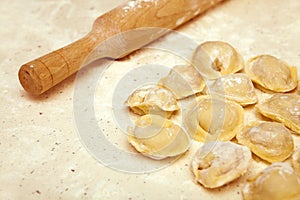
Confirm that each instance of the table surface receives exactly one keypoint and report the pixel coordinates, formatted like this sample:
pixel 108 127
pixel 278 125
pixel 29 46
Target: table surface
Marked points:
pixel 41 155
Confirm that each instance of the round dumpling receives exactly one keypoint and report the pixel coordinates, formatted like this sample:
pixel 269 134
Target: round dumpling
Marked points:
pixel 284 108
pixel 270 141
pixel 271 73
pixel 235 87
pixel 152 99
pixel 216 58
pixel 214 119
pixel 218 163
pixel 183 81
pixel 157 137
pixel 276 182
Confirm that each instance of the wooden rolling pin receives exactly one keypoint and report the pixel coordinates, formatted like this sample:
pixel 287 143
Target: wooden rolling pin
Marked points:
pixel 43 73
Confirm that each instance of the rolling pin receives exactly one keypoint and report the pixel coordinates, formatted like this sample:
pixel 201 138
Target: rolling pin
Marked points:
pixel 150 18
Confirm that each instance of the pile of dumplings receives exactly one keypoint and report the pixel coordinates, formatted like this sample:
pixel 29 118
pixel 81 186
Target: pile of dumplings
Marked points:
pixel 220 87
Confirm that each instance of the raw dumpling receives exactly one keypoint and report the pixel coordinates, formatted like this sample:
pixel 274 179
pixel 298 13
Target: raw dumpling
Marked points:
pixel 276 182
pixel 271 73
pixel 214 118
pixel 216 58
pixel 152 99
pixel 270 141
pixel 183 81
pixel 157 137
pixel 235 87
pixel 218 163
pixel 296 161
pixel 284 108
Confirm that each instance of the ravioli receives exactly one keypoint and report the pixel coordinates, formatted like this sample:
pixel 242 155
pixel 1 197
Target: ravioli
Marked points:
pixel 216 58
pixel 270 141
pixel 276 182
pixel 296 161
pixel 235 87
pixel 214 119
pixel 152 99
pixel 218 163
pixel 271 73
pixel 157 137
pixel 284 108
pixel 183 81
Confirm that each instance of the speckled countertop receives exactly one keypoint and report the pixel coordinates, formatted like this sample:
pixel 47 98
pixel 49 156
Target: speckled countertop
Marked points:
pixel 41 156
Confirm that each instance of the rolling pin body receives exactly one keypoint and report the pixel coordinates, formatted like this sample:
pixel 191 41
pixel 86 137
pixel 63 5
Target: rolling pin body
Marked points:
pixel 43 73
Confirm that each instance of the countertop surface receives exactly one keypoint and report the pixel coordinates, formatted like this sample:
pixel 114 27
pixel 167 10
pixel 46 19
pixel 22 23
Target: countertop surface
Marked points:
pixel 41 153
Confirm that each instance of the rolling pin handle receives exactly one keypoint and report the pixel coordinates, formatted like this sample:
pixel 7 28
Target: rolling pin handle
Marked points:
pixel 45 72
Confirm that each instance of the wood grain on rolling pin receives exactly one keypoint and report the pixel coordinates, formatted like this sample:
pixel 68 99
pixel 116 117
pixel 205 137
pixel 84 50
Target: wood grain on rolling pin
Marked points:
pixel 44 72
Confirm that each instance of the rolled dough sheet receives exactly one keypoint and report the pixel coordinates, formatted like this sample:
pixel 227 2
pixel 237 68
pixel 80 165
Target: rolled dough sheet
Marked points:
pixel 41 153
